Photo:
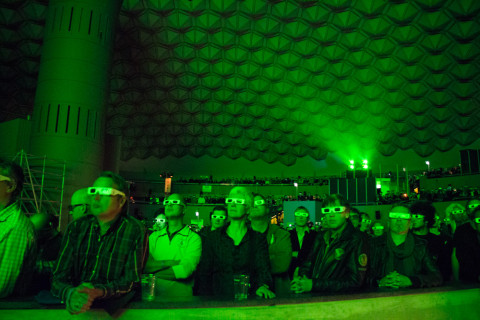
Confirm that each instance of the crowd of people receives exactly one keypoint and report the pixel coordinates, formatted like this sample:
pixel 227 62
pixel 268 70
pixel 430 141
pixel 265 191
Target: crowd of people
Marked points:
pixel 100 259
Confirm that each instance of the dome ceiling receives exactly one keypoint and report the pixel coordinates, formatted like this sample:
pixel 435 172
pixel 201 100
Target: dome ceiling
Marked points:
pixel 275 80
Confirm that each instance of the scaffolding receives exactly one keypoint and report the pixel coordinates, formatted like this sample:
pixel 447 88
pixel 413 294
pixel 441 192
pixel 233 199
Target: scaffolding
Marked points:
pixel 44 184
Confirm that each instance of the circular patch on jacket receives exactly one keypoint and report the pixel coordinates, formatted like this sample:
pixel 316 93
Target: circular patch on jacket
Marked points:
pixel 363 260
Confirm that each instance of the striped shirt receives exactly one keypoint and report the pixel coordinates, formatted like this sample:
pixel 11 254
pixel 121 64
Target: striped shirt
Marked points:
pixel 112 262
pixel 17 249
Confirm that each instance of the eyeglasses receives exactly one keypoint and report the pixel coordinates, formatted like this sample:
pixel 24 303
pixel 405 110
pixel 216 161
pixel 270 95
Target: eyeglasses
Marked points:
pixel 366 221
pixel 418 216
pixel 217 216
pixel 105 191
pixel 160 220
pixel 399 215
pixel 235 200
pixel 378 228
pixel 473 206
pixel 4 178
pixel 458 211
pixel 259 202
pixel 333 209
pixel 72 207
pixel 301 214
pixel 477 220
pixel 168 202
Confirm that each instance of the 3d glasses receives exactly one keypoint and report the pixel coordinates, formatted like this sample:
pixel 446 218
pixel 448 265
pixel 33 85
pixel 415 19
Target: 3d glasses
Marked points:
pixel 366 221
pixel 234 200
pixel 160 220
pixel 458 211
pixel 105 191
pixel 477 220
pixel 259 202
pixel 473 205
pixel 378 228
pixel 333 210
pixel 418 216
pixel 169 202
pixel 399 215
pixel 218 216
pixel 301 214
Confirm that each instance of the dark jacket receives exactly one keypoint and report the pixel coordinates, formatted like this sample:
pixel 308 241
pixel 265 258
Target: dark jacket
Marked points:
pixel 467 247
pixel 304 251
pixel 414 261
pixel 222 259
pixel 340 265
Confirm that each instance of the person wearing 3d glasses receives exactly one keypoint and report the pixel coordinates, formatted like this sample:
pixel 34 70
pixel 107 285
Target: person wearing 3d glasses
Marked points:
pixel 399 259
pixel 101 253
pixel 174 252
pixel 279 244
pixel 466 243
pixel 235 249
pixel 338 260
pixel 302 239
pixel 218 218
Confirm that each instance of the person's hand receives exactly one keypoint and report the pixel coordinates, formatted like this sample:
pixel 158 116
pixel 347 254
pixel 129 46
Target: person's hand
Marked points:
pixel 301 284
pixel 82 298
pixel 395 280
pixel 264 292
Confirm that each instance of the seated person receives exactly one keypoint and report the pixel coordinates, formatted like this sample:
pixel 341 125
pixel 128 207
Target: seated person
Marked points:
pixel 48 244
pixel 302 239
pixel 235 249
pixel 439 246
pixel 378 229
pixel 79 204
pixel 279 244
pixel 467 249
pixel 218 218
pixel 101 253
pixel 174 252
pixel 160 221
pixel 338 260
pixel 365 223
pixel 399 259
pixel 355 217
pixel 17 236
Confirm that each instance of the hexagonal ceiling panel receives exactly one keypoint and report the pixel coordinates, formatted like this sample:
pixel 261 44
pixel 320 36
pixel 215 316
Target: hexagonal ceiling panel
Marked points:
pixel 274 80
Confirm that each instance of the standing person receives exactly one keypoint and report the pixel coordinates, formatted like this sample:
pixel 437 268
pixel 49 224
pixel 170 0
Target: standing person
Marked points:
pixel 279 244
pixel 338 261
pixel 302 238
pixel 233 250
pixel 17 235
pixel 102 253
pixel 401 259
pixel 174 252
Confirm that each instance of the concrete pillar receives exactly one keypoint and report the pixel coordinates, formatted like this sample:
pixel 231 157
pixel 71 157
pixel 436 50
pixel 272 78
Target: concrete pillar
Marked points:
pixel 73 88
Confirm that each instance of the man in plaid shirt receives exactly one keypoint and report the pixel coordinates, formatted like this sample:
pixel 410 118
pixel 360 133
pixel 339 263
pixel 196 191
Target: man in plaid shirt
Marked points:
pixel 101 254
pixel 17 239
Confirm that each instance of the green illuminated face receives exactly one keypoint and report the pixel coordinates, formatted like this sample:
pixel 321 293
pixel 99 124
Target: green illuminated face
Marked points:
pixel 378 229
pixel 399 225
pixel 259 209
pixel 174 209
pixel 355 219
pixel 300 219
pixel 236 210
pixel 219 218
pixel 336 220
pixel 418 221
pixel 105 205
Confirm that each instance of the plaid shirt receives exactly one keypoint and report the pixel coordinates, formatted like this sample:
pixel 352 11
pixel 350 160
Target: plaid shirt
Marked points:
pixel 112 262
pixel 17 249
